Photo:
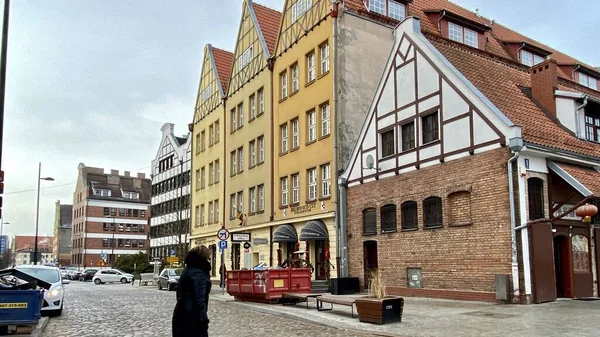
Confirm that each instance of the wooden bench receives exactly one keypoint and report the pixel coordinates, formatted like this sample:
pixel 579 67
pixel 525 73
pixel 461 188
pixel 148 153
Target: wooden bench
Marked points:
pixel 293 298
pixel 340 300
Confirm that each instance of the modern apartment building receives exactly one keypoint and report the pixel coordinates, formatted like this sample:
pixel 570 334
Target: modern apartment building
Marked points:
pixel 63 220
pixel 110 215
pixel 170 215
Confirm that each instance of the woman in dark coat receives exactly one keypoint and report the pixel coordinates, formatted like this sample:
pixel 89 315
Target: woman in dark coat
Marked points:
pixel 190 317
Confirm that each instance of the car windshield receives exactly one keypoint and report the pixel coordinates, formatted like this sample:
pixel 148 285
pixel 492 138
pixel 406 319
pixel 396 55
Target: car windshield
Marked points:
pixel 119 271
pixel 48 275
pixel 174 272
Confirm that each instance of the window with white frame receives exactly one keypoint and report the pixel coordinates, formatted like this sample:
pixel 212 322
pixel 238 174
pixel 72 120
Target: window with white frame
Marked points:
pixel 261 101
pixel 299 8
pixel 312 184
pixel 252 107
pixel 217 171
pixel 102 192
pixel 198 179
pixel 463 35
pixel 211 135
pixel 295 79
pixel 202 177
pixel 295 133
pixel 284 80
pixel 284 191
pixel 202 215
pixel 240 109
pixel 131 195
pixel 217 132
pixel 206 94
pixel 325 120
pixel 326 180
pixel 202 141
pixel 240 159
pixel 233 162
pixel 296 188
pixel 378 6
pixel 312 126
pixel 310 66
pixel 216 206
pixel 324 58
pixel 284 138
pixel 530 59
pixel 261 198
pixel 246 57
pixel 233 204
pixel 588 81
pixel 252 193
pixel 211 174
pixel 211 214
pixel 252 147
pixel 240 197
pixel 233 120
pixel 261 149
pixel 396 10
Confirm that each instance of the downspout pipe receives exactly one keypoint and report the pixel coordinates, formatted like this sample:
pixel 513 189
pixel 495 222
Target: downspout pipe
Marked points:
pixel 577 123
pixel 343 244
pixel 336 136
pixel 513 232
pixel 439 23
pixel 519 52
pixel 574 70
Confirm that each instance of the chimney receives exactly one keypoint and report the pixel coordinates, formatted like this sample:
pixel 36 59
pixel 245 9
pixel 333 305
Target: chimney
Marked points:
pixel 141 175
pixel 126 173
pixel 544 81
pixel 114 172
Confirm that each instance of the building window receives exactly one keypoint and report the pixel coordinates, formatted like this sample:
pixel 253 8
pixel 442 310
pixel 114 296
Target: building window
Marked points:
pixel 324 49
pixel 588 81
pixel 325 120
pixel 369 221
pixel 261 198
pixel 312 126
pixel 252 149
pixel 216 206
pixel 202 141
pixel 252 107
pixel 430 128
pixel 408 211
pixel 252 196
pixel 388 218
pixel 296 188
pixel 240 111
pixel 198 180
pixel 233 161
pixel 211 135
pixel 432 212
pixel 246 57
pixel 261 101
pixel 391 8
pixel 105 227
pixel 104 242
pixel 202 219
pixel 211 174
pixel 284 84
pixel 299 8
pixel 378 6
pixel 530 59
pixel 198 149
pixel 463 35
pixel 580 253
pixel 211 215
pixel 197 216
pixel 535 197
pixel 295 133
pixel 387 144
pixel 241 159
pixel 240 197
pixel 310 67
pixel 295 79
pixel 143 213
pixel 284 191
pixel 233 120
pixel 261 149
pixel 408 136
pixel 284 138
pixel 217 132
pixel 592 128
pixel 217 171
pixel 233 204
pixel 312 184
pixel 202 178
pixel 106 211
pixel 326 181
pixel 129 195
pixel 206 94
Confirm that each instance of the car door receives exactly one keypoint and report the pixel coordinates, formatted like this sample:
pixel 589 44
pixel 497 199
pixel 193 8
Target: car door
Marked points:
pixel 117 276
pixel 164 279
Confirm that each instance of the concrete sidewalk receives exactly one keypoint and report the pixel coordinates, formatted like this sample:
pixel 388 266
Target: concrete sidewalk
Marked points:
pixel 429 317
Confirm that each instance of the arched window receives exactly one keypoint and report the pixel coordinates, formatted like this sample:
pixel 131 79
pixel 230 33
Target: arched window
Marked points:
pixel 388 218
pixel 369 221
pixel 408 210
pixel 432 212
pixel 535 197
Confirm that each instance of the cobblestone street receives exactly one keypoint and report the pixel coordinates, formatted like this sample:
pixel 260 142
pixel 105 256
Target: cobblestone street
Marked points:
pixel 120 310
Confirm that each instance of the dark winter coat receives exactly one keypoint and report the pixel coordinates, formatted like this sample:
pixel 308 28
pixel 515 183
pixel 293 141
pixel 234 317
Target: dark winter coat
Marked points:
pixel 190 317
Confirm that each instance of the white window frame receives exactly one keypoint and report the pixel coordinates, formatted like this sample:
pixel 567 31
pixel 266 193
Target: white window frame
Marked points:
pixel 396 10
pixel 471 38
pixel 378 6
pixel 587 81
pixel 312 125
pixel 240 159
pixel 233 202
pixel 233 119
pixel 295 133
pixel 284 190
pixel 284 84
pixel 326 180
pixel 261 101
pixel 217 171
pixel 202 218
pixel 312 184
pixel 246 57
pixel 296 188
pixel 217 132
pixel 216 206
pixel 211 135
pixel 325 120
pixel 206 94
pixel 261 198
pixel 295 78
pixel 202 177
pixel 240 196
pixel 252 192
pixel 240 109
pixel 234 162
pixel 261 149
pixel 210 212
pixel 252 102
pixel 310 67
pixel 459 33
pixel 252 147
pixel 211 174
pixel 324 58
pixel 284 137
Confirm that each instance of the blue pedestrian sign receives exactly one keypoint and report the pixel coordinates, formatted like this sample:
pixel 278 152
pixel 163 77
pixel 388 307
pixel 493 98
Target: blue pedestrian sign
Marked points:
pixel 103 256
pixel 222 245
pixel 173 252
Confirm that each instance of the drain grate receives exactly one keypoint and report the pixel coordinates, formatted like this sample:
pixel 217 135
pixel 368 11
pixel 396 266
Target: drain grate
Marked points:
pixel 488 314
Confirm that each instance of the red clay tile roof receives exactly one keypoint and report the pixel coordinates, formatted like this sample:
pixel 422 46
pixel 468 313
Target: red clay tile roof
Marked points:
pixel 223 62
pixel 23 242
pixel 502 82
pixel 497 37
pixel 588 177
pixel 269 21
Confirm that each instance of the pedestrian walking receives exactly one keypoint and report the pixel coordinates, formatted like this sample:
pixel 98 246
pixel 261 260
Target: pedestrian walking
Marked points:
pixel 190 317
pixel 222 273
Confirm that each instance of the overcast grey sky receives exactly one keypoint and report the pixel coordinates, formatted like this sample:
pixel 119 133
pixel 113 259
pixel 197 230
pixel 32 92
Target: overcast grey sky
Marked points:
pixel 93 81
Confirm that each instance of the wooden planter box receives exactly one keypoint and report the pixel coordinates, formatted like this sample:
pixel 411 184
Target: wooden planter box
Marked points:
pixel 380 311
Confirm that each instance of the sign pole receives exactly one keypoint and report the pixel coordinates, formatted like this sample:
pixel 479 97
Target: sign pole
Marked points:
pixel 222 274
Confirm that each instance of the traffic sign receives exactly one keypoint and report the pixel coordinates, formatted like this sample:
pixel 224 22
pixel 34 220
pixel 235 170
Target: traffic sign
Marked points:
pixel 103 256
pixel 173 253
pixel 222 245
pixel 172 259
pixel 247 245
pixel 223 234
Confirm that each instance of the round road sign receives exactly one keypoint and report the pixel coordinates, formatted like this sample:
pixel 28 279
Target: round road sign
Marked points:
pixel 223 234
pixel 247 245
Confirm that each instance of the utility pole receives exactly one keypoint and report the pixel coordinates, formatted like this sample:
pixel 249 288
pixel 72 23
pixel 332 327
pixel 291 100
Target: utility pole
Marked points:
pixel 3 71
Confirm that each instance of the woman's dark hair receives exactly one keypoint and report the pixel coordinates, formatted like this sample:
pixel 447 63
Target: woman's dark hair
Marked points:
pixel 196 256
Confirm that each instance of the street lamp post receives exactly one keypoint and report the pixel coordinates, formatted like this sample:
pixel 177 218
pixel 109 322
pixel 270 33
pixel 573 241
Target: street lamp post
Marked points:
pixel 112 242
pixel 2 223
pixel 37 214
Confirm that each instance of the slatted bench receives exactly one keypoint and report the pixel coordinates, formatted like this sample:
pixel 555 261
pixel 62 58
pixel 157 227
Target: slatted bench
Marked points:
pixel 293 298
pixel 339 300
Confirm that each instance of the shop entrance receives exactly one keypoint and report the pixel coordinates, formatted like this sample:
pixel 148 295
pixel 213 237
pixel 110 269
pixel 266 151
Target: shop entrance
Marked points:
pixel 370 259
pixel 562 266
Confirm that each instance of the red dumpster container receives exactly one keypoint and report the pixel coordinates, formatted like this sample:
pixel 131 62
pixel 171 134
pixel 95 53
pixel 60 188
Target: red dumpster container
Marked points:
pixel 267 285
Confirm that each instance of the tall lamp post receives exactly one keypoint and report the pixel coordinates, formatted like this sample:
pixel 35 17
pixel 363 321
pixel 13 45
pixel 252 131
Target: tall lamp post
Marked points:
pixel 37 215
pixel 112 242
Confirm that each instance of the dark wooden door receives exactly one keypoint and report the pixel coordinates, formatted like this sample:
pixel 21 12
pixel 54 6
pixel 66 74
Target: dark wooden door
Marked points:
pixel 370 259
pixel 562 266
pixel 213 259
pixel 235 256
pixel 542 263
pixel 320 263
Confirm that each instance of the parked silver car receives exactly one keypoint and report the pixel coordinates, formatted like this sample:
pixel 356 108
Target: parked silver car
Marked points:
pixel 169 278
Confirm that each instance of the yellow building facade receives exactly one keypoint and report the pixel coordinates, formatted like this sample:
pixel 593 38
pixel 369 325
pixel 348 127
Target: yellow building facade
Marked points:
pixel 304 181
pixel 208 146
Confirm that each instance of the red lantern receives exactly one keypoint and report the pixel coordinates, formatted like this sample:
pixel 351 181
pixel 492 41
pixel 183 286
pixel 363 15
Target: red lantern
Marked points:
pixel 586 210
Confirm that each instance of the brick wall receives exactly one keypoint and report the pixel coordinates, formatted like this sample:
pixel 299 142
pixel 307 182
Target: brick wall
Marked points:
pixel 461 257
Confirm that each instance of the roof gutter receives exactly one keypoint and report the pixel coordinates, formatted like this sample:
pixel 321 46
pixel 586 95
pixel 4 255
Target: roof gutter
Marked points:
pixel 519 51
pixel 569 156
pixel 577 123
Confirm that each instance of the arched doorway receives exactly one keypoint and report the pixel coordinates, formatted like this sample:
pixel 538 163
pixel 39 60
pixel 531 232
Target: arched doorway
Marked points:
pixel 562 266
pixel 370 259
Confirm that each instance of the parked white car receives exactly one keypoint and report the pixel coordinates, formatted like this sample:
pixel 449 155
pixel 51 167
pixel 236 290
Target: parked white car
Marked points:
pixel 111 276
pixel 54 297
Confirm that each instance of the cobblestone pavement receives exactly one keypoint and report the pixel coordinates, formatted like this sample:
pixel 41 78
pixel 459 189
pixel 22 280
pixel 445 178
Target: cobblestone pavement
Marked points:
pixel 123 310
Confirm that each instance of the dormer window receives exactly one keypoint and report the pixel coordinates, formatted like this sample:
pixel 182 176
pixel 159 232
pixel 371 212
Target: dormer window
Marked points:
pixel 131 195
pixel 588 81
pixel 391 8
pixel 462 34
pixel 530 59
pixel 102 192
